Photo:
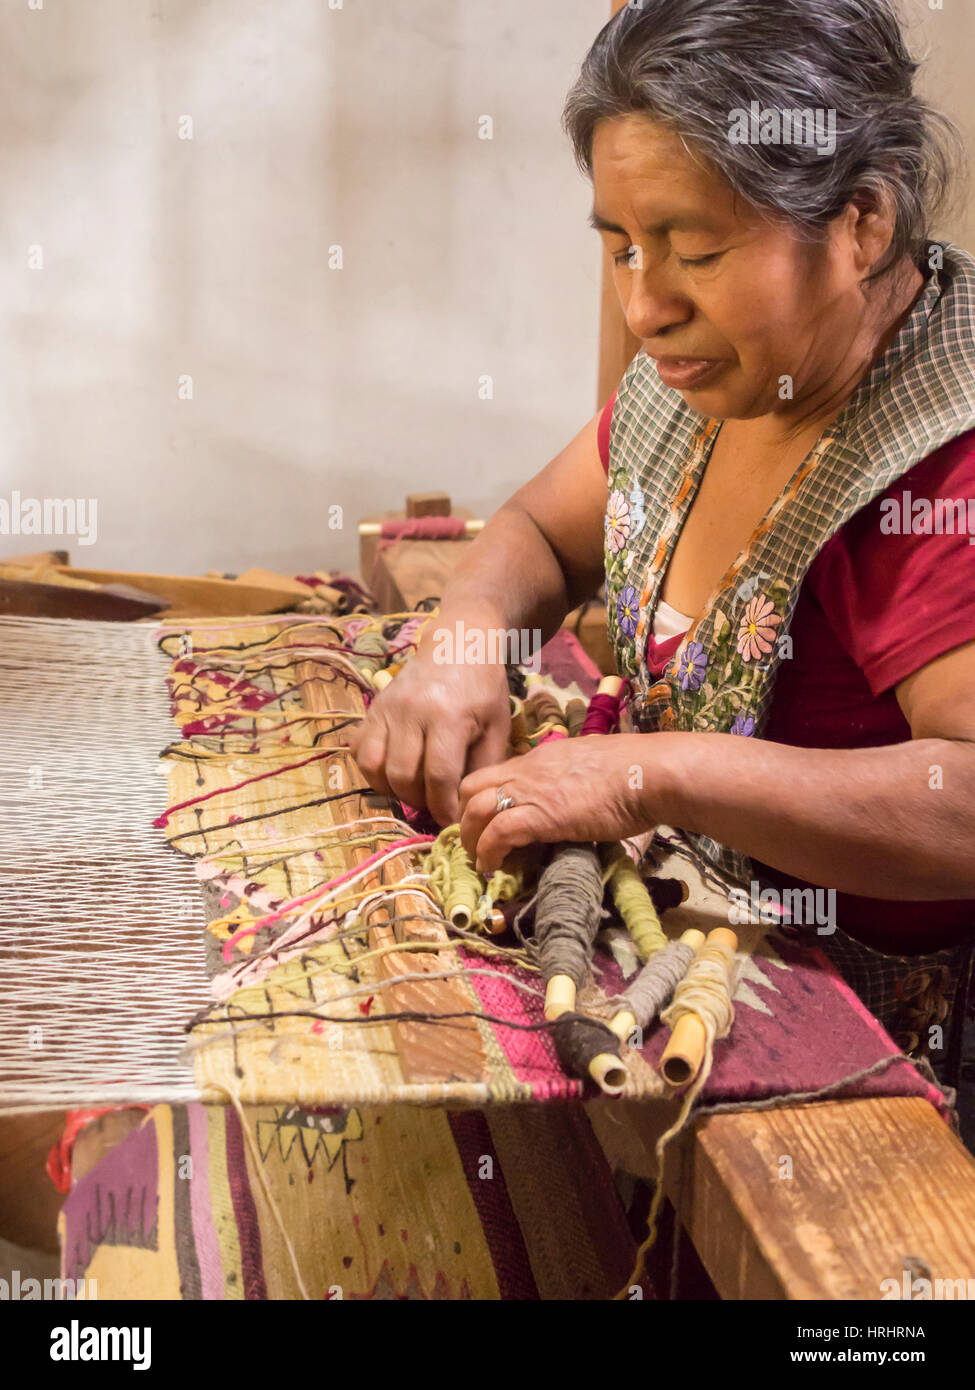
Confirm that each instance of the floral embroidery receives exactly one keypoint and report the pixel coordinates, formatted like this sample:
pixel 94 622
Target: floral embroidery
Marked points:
pixel 617 521
pixel 693 664
pixel 744 726
pixel 626 610
pixel 756 631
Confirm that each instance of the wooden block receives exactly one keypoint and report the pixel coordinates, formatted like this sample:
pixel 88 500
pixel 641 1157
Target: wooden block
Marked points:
pixel 191 596
pixel 427 504
pixel 873 1181
pixel 369 546
pixel 267 579
pixel 406 572
pixel 29 1203
pixel 25 598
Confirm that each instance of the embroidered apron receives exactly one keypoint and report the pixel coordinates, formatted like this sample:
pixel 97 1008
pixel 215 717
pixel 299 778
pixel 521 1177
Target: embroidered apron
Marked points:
pixel 917 397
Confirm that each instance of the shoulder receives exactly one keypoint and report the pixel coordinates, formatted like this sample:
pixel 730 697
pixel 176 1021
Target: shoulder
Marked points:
pixel 897 581
pixel 929 501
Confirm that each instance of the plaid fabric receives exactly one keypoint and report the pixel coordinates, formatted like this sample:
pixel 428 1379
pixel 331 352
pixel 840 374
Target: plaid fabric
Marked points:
pixel 922 1001
pixel 920 395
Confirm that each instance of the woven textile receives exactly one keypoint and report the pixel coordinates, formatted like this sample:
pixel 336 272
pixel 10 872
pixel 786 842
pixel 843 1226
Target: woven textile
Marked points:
pixel 377 1204
pixel 918 396
pixel 294 992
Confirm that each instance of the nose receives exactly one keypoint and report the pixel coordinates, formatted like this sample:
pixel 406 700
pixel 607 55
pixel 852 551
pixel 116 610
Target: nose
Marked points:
pixel 651 307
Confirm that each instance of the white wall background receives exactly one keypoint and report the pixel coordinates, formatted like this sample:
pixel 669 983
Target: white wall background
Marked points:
pixel 165 257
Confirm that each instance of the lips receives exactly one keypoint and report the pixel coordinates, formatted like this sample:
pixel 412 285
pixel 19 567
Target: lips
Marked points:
pixel 681 373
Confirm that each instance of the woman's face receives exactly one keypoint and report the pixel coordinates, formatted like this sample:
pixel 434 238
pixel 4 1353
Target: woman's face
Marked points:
pixel 743 318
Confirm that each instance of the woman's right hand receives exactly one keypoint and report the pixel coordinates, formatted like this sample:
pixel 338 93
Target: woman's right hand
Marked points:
pixel 432 725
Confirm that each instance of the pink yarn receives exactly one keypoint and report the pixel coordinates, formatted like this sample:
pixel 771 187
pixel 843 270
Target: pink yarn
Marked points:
pixel 424 528
pixel 320 892
pixel 602 716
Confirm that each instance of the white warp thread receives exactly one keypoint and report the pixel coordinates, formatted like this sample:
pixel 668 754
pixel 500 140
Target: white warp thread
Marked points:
pixel 101 924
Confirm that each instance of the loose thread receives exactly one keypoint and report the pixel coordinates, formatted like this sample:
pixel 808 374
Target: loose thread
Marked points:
pixel 161 821
pixel 381 855
pixel 791 1098
pixel 258 1165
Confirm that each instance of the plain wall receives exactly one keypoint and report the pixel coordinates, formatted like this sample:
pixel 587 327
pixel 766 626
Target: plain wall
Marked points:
pixel 208 258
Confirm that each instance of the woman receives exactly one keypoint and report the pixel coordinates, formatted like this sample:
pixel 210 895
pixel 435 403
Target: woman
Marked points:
pixel 803 661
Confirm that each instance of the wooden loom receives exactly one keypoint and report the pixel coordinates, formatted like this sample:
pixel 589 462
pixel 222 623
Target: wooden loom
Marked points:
pixel 871 1173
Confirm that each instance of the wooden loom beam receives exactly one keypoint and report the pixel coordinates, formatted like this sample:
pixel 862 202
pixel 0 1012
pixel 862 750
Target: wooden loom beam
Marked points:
pixel 866 1187
pixel 429 1052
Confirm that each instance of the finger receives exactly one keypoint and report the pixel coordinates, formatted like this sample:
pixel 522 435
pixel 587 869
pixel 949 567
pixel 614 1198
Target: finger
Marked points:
pixel 490 748
pixel 491 776
pixel 507 830
pixel 475 818
pixel 370 755
pixel 404 764
pixel 443 770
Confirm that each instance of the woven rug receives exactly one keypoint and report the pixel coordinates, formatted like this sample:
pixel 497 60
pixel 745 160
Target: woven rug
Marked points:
pixel 395 1202
pixel 274 971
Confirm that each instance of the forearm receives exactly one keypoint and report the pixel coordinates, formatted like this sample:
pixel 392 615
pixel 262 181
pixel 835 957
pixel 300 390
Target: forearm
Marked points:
pixel 895 822
pixel 509 578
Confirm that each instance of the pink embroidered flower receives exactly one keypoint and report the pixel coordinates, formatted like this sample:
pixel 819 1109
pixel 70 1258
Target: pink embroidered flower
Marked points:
pixel 756 632
pixel 617 521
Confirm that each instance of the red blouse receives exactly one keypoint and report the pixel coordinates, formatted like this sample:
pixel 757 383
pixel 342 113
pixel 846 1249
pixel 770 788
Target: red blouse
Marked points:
pixel 873 609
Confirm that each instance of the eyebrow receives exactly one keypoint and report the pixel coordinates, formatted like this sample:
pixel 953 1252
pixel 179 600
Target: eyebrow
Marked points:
pixel 689 222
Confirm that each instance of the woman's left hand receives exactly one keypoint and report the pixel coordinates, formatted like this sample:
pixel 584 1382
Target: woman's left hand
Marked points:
pixel 594 788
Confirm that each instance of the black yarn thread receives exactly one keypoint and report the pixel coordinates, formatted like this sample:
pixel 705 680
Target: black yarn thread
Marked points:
pixel 579 1040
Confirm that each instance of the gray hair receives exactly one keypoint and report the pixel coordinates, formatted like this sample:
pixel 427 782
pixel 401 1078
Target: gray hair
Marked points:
pixel 690 63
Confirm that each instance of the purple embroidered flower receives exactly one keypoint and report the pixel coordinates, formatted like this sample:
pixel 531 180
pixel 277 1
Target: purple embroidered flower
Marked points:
pixel 627 607
pixel 693 664
pixel 744 726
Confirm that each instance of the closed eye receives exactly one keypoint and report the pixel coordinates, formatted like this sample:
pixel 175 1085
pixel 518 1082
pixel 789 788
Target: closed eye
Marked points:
pixel 700 260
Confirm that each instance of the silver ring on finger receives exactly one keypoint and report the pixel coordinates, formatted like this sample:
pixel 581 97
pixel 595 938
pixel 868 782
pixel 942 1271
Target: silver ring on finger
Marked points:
pixel 505 802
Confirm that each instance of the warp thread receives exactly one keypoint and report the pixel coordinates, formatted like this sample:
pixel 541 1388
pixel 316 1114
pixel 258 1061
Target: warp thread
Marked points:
pixel 656 983
pixel 568 911
pixel 579 1040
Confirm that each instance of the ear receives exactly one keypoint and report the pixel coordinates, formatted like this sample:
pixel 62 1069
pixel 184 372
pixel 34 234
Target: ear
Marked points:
pixel 870 222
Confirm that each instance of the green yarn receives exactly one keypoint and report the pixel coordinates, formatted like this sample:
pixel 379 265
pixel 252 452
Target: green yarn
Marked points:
pixel 633 901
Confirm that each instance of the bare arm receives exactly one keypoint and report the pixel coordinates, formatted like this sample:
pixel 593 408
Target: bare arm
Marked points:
pixel 537 557
pixel 541 554
pixel 895 822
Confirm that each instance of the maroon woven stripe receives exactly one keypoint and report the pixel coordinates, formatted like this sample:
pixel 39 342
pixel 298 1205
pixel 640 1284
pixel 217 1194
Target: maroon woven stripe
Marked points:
pixel 245 1213
pixel 495 1212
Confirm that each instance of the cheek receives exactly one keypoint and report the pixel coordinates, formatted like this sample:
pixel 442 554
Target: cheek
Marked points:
pixel 766 323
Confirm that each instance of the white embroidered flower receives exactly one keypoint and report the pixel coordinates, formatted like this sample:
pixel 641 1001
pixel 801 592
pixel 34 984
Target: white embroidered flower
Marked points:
pixel 617 521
